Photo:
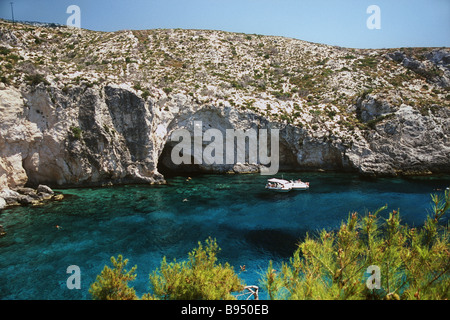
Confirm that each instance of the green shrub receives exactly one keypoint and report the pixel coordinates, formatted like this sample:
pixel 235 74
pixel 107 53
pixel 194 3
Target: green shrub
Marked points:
pixel 77 132
pixel 145 94
pixel 5 80
pixel 414 263
pixel 167 90
pixel 369 62
pixel 14 58
pixel 35 79
pixel 137 87
pixel 4 51
pixel 112 284
pixel 201 277
pixel 331 114
pixel 282 95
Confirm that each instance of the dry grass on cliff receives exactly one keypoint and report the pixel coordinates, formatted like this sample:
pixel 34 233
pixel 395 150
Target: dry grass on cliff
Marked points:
pixel 290 80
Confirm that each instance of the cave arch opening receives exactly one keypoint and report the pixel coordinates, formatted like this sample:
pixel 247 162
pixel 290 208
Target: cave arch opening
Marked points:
pixel 169 169
pixel 288 162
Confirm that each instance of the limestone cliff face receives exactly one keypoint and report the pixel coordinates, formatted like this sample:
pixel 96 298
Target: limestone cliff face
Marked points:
pixel 78 139
pixel 405 141
pixel 111 135
pixel 89 109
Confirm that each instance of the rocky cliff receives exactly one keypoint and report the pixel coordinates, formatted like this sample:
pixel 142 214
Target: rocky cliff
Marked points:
pixel 82 108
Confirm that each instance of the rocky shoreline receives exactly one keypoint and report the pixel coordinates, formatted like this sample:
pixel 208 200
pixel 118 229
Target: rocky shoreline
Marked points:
pixel 25 196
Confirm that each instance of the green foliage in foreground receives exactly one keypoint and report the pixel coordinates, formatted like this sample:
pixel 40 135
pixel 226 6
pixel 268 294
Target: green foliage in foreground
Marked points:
pixel 200 277
pixel 112 284
pixel 412 263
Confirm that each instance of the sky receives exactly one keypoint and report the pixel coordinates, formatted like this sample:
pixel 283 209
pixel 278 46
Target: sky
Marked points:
pixel 402 23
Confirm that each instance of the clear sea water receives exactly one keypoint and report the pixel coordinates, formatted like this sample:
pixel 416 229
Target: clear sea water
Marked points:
pixel 145 223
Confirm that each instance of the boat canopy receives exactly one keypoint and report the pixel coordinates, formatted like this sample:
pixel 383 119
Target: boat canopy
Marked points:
pixel 278 180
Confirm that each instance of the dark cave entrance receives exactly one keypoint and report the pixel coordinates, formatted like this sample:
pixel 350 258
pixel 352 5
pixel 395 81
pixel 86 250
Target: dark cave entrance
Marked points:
pixel 169 169
pixel 287 162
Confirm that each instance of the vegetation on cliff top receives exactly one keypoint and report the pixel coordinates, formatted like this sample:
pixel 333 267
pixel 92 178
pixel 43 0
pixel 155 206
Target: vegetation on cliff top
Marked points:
pixel 292 79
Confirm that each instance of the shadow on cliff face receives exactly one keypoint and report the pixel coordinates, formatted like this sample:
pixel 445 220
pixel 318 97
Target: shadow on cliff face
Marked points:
pixel 168 169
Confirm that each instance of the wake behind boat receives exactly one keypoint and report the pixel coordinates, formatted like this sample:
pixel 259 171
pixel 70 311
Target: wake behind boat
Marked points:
pixel 281 185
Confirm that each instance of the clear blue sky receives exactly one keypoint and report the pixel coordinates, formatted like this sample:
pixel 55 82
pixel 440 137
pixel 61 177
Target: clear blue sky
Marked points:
pixel 404 23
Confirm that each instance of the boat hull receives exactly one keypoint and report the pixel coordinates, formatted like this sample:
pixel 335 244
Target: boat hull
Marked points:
pixel 280 185
pixel 279 190
pixel 300 187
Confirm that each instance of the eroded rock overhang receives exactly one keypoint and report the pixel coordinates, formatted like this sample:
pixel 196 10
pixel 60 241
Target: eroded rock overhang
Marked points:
pixel 110 134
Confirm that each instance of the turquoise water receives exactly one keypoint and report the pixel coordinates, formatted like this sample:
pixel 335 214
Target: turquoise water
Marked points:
pixel 146 223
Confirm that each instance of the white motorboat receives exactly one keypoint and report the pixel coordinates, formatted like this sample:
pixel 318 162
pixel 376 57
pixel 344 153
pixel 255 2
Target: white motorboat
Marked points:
pixel 278 185
pixel 281 185
pixel 299 185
